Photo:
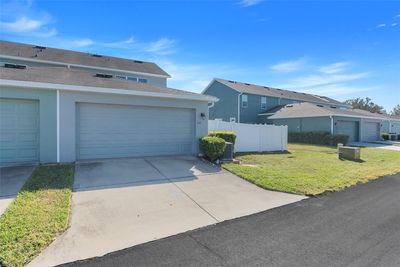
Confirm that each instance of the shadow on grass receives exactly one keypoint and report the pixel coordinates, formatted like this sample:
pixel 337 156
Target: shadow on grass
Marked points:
pixel 263 153
pixel 352 160
pixel 50 177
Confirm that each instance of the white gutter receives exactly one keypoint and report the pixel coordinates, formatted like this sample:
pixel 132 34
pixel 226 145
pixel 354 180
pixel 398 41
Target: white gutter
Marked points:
pixel 239 106
pixel 331 117
pixel 58 126
pixel 83 66
pixel 104 90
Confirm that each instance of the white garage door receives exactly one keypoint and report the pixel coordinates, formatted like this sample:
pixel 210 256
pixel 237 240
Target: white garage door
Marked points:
pixel 371 131
pixel 113 131
pixel 19 131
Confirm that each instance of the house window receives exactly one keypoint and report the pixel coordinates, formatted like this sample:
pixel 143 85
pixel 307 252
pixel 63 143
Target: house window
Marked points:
pixel 245 103
pixel 232 119
pixel 130 78
pixel 263 102
pixel 141 80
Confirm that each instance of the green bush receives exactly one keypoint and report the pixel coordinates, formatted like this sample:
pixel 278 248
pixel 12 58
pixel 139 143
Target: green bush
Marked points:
pixel 318 138
pixel 213 147
pixel 385 136
pixel 227 136
pixel 333 140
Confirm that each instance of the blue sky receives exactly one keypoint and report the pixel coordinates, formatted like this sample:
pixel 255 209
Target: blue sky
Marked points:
pixel 341 49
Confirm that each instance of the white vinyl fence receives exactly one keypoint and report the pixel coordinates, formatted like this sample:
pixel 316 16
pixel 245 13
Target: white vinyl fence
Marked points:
pixel 254 137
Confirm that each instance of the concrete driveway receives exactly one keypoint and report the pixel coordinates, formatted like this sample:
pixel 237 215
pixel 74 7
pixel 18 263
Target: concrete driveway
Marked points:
pixel 380 145
pixel 11 181
pixel 124 202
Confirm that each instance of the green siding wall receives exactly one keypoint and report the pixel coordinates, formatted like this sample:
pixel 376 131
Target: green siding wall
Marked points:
pixel 47 117
pixel 250 114
pixel 314 124
pixel 227 105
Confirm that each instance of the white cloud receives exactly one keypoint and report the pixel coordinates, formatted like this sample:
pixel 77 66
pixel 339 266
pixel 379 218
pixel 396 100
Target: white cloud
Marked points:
pixel 23 24
pixel 163 46
pixel 289 66
pixel 247 3
pixel 333 90
pixel 381 25
pixel 195 77
pixel 334 67
pixel 318 80
pixel 394 24
pixel 397 16
pixel 83 42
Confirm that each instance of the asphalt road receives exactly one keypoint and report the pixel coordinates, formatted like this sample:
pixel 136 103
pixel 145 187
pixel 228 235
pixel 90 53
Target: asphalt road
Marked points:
pixel 359 226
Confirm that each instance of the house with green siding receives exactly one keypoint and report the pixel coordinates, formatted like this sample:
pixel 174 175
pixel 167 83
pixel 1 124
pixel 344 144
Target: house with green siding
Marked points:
pixel 301 112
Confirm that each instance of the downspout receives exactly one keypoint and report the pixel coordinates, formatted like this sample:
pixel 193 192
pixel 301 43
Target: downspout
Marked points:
pixel 331 124
pixel 58 126
pixel 241 93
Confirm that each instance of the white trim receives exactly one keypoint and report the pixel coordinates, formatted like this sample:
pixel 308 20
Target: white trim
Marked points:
pixel 266 114
pixel 331 117
pixel 104 90
pixel 335 115
pixel 216 80
pixel 58 126
pixel 239 106
pixel 82 66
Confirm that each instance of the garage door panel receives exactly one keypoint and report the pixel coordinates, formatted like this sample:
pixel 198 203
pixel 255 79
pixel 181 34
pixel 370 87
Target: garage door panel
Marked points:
pixel 349 128
pixel 19 131
pixel 371 131
pixel 108 131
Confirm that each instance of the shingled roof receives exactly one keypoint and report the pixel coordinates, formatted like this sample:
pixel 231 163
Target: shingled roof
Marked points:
pixel 67 76
pixel 33 52
pixel 279 93
pixel 304 110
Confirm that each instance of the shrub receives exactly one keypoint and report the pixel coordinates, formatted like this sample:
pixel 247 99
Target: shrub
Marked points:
pixel 333 140
pixel 213 147
pixel 385 136
pixel 318 138
pixel 227 136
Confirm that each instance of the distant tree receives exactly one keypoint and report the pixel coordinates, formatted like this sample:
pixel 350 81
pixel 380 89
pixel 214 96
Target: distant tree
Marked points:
pixel 365 104
pixel 396 110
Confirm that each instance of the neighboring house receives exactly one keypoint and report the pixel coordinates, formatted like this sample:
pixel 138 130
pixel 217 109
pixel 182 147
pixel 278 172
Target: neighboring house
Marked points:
pixel 249 103
pixel 64 106
pixel 359 125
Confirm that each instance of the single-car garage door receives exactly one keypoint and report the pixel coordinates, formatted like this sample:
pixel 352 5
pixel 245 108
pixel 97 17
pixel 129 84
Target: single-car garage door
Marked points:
pixel 349 128
pixel 113 131
pixel 19 131
pixel 371 131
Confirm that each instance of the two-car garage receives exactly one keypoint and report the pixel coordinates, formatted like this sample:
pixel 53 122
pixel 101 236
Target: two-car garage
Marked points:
pixel 49 126
pixel 114 131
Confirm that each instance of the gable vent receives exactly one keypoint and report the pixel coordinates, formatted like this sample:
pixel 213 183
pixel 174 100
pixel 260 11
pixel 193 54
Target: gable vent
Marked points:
pixel 231 81
pixel 138 61
pixel 320 106
pixel 103 75
pixel 96 55
pixel 247 84
pixel 39 47
pixel 15 66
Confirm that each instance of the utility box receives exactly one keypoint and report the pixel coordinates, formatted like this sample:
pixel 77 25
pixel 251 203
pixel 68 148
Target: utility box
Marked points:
pixel 348 152
pixel 228 154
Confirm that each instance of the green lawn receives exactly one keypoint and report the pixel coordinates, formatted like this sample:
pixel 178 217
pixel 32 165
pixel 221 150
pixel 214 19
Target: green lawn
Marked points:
pixel 38 214
pixel 312 170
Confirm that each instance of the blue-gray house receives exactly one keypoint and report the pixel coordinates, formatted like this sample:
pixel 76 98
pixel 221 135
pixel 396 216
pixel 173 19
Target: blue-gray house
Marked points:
pixel 249 103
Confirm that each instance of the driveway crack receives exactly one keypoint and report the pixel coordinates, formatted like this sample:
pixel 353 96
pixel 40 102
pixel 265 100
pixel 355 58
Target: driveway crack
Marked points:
pixel 180 189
